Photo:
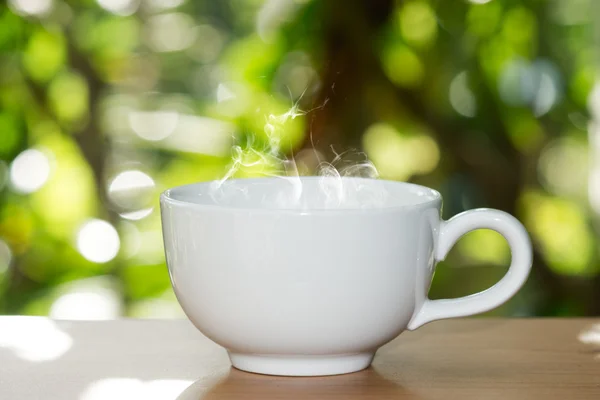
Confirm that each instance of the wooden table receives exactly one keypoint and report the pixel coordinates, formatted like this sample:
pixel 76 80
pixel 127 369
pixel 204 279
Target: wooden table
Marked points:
pixel 479 359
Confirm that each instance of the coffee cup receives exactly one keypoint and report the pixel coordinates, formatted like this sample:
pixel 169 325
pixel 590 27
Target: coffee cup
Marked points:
pixel 295 276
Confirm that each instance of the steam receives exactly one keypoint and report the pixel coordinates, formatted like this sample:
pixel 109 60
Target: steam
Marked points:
pixel 334 189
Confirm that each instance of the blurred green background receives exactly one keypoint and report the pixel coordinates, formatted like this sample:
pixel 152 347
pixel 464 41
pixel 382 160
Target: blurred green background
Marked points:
pixel 105 103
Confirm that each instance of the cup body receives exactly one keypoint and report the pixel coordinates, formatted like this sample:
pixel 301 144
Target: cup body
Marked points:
pixel 300 291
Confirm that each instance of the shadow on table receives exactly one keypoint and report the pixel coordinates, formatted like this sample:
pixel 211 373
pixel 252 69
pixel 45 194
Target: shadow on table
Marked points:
pixel 367 384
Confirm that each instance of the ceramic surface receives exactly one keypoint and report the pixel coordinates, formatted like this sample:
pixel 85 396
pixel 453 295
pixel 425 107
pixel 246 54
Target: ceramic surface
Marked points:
pixel 315 291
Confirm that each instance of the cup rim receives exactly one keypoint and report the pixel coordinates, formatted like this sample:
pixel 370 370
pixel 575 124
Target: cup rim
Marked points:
pixel 435 199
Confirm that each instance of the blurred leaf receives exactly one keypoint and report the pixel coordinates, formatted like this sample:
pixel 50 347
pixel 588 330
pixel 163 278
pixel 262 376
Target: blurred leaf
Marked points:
pixel 52 261
pixel 244 13
pixel 520 29
pixel 524 130
pixel 563 167
pixel 417 23
pixel 388 70
pixel 483 19
pixel 13 97
pixel 68 95
pixel 494 55
pixel 107 37
pixel 582 83
pixel 400 154
pixel 402 66
pixel 16 226
pixel 38 304
pixel 184 171
pixel 450 282
pixel 10 132
pixel 12 30
pixel 253 61
pixel 45 54
pixel 69 196
pixel 143 281
pixel 560 228
pixel 486 247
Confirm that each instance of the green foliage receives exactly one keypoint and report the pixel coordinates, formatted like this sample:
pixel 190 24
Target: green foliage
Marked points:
pixel 145 281
pixel 483 20
pixel 13 30
pixel 491 104
pixel 68 96
pixel 45 54
pixel 417 24
pixel 561 229
pixel 401 65
pixel 11 134
pixel 252 61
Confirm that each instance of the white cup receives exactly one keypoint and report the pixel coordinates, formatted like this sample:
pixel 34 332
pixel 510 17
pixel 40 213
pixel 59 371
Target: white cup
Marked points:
pixel 294 277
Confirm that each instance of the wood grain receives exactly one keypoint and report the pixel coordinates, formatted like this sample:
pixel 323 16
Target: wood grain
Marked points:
pixel 464 359
pixel 478 359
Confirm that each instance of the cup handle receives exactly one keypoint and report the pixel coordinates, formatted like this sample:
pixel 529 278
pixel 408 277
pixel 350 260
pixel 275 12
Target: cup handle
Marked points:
pixel 522 256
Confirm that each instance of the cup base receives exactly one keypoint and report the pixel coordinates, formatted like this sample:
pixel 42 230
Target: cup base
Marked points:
pixel 295 365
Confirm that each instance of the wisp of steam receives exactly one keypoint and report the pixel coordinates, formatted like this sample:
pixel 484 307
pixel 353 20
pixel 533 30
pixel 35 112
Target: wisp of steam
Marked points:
pixel 334 189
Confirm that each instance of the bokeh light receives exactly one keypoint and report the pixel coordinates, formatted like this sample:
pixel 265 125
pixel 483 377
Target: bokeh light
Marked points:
pixel 484 246
pixel 137 215
pixel 208 45
pixel 560 227
pixel 45 54
pixel 34 339
pixel 563 167
pixel 484 17
pixel 591 336
pixel 153 125
pixel 130 388
pixel 418 23
pixel 132 190
pixel 233 99
pixel 224 93
pixel 5 256
pixel 106 103
pixel 29 171
pixel 593 101
pixel 519 29
pixel 88 300
pixel 130 239
pixel 538 85
pixel 119 7
pixel 461 96
pixel 4 172
pixel 398 156
pixel 572 12
pixel 98 241
pixel 201 135
pixel 69 195
pixel 32 7
pixel 271 15
pixel 69 97
pixel 161 5
pixel 402 66
pixel 170 32
pixel 151 250
pixel 296 77
pixel 164 307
